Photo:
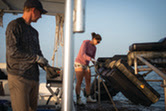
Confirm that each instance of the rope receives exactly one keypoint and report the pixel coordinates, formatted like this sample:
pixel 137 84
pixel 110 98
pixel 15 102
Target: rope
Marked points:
pixel 59 41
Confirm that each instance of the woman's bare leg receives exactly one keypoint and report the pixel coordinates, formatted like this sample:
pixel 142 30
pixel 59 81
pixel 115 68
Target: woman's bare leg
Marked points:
pixel 88 85
pixel 88 81
pixel 79 77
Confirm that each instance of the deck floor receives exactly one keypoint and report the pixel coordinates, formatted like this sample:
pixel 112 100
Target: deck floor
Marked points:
pixel 103 106
pixel 120 105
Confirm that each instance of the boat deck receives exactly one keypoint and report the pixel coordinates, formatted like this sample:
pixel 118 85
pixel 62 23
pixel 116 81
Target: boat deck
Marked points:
pixel 120 105
pixel 124 105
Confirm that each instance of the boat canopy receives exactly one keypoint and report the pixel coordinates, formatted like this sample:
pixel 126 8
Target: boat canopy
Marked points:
pixel 16 6
pixel 54 8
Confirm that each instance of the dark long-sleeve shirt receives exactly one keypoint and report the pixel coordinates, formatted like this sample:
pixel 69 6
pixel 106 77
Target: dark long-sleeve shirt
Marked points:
pixel 22 47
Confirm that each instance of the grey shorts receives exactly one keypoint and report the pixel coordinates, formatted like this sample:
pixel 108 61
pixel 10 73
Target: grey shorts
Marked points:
pixel 78 65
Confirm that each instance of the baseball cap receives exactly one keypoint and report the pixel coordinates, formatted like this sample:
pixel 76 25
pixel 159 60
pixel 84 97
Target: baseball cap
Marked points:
pixel 35 4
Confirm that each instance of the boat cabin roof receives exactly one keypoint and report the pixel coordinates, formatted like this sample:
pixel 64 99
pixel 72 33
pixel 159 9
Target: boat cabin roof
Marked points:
pixel 16 6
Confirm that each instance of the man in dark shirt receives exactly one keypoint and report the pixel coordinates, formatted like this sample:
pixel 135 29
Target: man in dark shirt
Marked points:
pixel 23 55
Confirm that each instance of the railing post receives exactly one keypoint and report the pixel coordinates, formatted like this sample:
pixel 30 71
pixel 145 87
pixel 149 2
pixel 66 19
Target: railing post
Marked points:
pixel 164 84
pixel 135 65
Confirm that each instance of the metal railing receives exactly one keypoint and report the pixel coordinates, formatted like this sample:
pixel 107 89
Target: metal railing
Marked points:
pixel 150 68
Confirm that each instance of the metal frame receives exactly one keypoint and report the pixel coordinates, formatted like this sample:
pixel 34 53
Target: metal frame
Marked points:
pixel 56 96
pixel 152 68
pixel 99 79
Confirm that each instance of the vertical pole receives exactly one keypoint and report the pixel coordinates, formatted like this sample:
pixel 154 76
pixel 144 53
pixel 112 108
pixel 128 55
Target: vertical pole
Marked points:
pixel 56 59
pixel 79 16
pixel 135 65
pixel 67 98
pixel 95 86
pixel 164 84
pixel 62 57
pixel 99 89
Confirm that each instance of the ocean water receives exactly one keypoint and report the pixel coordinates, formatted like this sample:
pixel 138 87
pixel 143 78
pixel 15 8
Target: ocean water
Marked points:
pixel 158 106
pixel 42 76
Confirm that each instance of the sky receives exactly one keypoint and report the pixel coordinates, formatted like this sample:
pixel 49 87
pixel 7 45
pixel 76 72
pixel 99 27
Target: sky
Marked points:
pixel 119 22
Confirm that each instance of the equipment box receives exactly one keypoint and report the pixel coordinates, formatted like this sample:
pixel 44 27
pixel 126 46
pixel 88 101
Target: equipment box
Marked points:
pixel 134 87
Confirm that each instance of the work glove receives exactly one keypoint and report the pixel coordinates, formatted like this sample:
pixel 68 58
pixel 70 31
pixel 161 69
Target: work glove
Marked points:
pixel 93 61
pixel 52 72
pixel 41 60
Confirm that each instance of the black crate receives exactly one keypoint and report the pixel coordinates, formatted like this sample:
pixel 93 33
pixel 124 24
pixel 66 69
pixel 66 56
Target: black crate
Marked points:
pixel 134 87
